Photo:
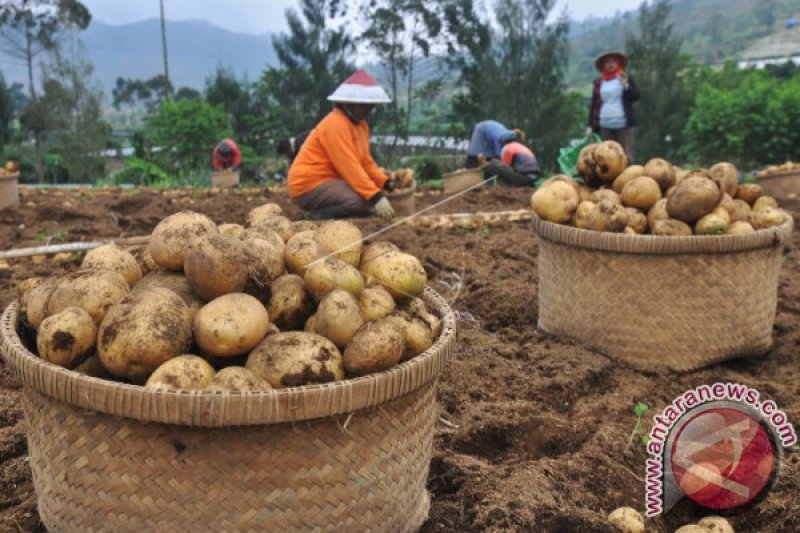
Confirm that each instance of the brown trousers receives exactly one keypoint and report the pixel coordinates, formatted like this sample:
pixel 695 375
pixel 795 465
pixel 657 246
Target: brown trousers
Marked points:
pixel 623 136
pixel 333 199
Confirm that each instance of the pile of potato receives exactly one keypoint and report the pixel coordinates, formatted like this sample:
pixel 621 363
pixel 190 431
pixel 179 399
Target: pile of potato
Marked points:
pixel 403 178
pixel 269 304
pixel 769 170
pixel 658 198
pixel 10 167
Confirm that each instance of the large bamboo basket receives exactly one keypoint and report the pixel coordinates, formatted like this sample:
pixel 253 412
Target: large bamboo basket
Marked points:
pixel 9 191
pixel 346 456
pixel 781 185
pixel 661 302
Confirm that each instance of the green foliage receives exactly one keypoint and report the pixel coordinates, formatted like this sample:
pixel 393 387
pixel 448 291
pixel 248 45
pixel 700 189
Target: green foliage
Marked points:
pixel 639 434
pixel 235 98
pixel 427 167
pixel 150 93
pixel 6 112
pixel 137 172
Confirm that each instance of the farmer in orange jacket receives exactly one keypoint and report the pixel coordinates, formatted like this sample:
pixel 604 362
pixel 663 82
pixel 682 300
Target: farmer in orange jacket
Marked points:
pixel 226 155
pixel 334 175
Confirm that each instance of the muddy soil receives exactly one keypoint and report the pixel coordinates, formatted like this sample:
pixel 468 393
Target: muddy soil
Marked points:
pixel 534 433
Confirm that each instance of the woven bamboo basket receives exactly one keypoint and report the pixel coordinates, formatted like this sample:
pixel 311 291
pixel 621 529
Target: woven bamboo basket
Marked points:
pixel 345 456
pixel 781 185
pixel 403 200
pixel 459 180
pixel 224 178
pixel 9 193
pixel 661 302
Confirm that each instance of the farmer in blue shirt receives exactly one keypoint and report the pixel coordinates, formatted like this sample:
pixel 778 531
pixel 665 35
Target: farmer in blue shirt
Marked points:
pixel 488 139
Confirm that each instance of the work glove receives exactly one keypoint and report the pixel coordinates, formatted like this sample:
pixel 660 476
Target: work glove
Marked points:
pixel 589 131
pixel 384 209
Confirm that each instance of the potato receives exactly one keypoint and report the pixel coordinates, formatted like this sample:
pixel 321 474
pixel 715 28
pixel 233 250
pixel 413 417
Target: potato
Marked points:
pixel 671 227
pixel 584 192
pixel 657 212
pixel 627 520
pixel 263 212
pixel 92 290
pixel 324 275
pixel 269 259
pixel 711 224
pixel 376 302
pixel 715 524
pixel 691 528
pixel 399 273
pixel 740 227
pixel 694 197
pixel 766 217
pixel 23 286
pixel 417 307
pixel 295 358
pixel 177 283
pixel 338 317
pixel 581 217
pixel 340 239
pixel 565 178
pixel 723 213
pixel 680 174
pixel 279 224
pixel 304 225
pixel 230 325
pixel 375 249
pixel 267 234
pixel 33 302
pixel 662 171
pixel 221 264
pixel 555 202
pixel 145 260
pixel 637 221
pixel 290 304
pixel 182 372
pixel 175 236
pixel 633 171
pixel 585 163
pixel 142 331
pixel 417 334
pixel 749 192
pixel 724 174
pixel 92 367
pixel 232 230
pixel 238 378
pixel 112 257
pixel 301 250
pixel 609 160
pixel 739 210
pixel 642 193
pixel 606 194
pixel 66 337
pixel 765 201
pixel 376 346
pixel 607 216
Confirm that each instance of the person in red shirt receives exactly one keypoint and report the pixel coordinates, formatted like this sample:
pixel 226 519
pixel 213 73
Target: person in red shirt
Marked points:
pixel 334 175
pixel 517 165
pixel 226 156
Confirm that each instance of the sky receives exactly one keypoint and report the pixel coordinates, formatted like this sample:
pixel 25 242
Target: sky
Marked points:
pixel 265 16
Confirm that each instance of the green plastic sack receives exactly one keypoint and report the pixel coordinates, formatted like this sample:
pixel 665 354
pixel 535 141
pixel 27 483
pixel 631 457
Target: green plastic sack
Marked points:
pixel 568 156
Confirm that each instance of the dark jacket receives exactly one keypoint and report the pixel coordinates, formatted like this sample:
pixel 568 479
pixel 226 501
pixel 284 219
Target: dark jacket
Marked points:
pixel 629 96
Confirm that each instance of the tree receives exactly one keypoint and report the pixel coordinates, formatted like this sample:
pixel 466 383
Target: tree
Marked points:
pixel 659 69
pixel 187 93
pixel 151 93
pixel 29 27
pixel 6 112
pixel 225 90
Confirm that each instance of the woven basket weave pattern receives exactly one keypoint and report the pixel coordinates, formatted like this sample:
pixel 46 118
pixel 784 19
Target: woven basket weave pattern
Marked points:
pixel 658 302
pixel 347 456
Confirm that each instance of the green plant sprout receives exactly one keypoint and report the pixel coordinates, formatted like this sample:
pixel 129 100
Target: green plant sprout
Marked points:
pixel 638 433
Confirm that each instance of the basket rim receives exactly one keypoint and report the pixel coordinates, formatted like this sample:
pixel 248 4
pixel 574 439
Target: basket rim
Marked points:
pixel 227 408
pixel 783 174
pixel 662 245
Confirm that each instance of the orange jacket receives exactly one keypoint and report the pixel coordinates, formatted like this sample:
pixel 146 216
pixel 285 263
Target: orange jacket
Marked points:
pixel 336 149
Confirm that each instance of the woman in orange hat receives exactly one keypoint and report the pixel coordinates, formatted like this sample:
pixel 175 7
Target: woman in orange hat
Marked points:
pixel 611 112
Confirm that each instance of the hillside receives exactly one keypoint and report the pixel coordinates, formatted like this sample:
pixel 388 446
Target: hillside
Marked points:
pixel 196 49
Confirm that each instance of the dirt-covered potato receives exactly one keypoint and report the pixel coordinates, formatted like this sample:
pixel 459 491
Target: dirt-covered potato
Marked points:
pixel 33 302
pixel 376 249
pixel 662 171
pixel 324 275
pixel 607 216
pixel 182 372
pixel 609 160
pixel 691 528
pixel 419 308
pixel 739 210
pixel 723 213
pixel 765 201
pixel 238 378
pixel 269 258
pixel 233 230
pixel 279 224
pixel 301 250
pixel 263 212
pixel 581 217
pixel 555 202
pixel 340 239
pixel 230 325
pixel 657 212
pixel 642 193
pixel 142 331
pixel 220 264
pixel 671 227
pixel 417 334
pixel 606 194
pixel 695 197
pixel 399 273
pixel 304 225
pixel 175 236
pixel 92 367
pixel 112 257
pixel 749 192
pixel 637 221
pixel 633 171
pixel 338 317
pixel 290 304
pixel 715 524
pixel 295 358
pixel 66 337
pixel 177 283
pixel 766 217
pixel 726 177
pixel 92 290
pixel 711 224
pixel 585 163
pixel 377 345
pixel 145 260
pixel 626 520
pixel 740 227
pixel 376 302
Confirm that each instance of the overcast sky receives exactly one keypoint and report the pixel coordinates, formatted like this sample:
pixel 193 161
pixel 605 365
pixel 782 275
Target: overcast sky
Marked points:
pixel 262 16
